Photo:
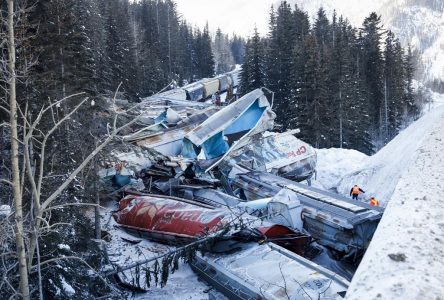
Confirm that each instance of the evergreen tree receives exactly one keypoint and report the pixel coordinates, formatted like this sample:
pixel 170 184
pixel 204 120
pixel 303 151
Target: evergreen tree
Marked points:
pixel 252 73
pixel 223 56
pixel 279 61
pixel 237 45
pixel 409 97
pixel 203 58
pixel 372 71
pixel 120 47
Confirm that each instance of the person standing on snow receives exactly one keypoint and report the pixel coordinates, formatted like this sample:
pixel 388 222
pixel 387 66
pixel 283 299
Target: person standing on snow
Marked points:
pixel 355 191
pixel 374 201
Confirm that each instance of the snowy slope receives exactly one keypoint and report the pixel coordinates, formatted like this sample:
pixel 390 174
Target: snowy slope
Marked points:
pixel 418 22
pixel 381 172
pixel 333 164
pixel 405 257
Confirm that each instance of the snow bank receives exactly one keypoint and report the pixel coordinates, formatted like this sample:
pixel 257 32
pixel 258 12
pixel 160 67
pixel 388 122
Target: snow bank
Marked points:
pixel 381 172
pixel 405 257
pixel 335 163
pixel 5 210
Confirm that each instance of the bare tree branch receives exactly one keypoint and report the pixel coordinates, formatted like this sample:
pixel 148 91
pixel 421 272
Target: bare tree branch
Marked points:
pixel 45 139
pixel 71 204
pixel 6 181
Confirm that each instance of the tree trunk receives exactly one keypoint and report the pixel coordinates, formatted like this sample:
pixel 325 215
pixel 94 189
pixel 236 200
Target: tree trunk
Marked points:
pixel 340 119
pixel 20 245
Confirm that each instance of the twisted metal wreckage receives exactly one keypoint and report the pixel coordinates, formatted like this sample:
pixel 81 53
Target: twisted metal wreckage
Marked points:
pixel 194 170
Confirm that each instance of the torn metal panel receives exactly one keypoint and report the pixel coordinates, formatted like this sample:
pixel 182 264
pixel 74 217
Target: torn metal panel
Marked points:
pixel 278 153
pixel 169 141
pixel 229 128
pixel 269 272
pixel 215 198
pixel 333 220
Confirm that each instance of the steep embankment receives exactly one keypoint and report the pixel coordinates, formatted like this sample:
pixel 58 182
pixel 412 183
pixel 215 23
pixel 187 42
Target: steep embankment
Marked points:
pixel 404 260
pixel 381 172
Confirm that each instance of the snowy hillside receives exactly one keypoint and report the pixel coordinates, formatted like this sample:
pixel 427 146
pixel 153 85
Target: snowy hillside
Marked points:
pixel 420 23
pixel 404 259
pixel 379 174
pixel 382 171
pixel 333 164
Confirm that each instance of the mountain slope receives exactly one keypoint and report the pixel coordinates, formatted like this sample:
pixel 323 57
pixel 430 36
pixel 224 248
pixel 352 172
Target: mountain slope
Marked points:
pixel 418 22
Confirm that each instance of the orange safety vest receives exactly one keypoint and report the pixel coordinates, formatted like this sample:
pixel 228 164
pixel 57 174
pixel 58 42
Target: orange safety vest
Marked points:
pixel 355 190
pixel 374 202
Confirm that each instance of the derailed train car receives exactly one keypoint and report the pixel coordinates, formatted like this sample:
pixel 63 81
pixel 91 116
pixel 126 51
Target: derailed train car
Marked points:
pixel 333 220
pixel 194 92
pixel 169 141
pixel 210 87
pixel 235 77
pixel 268 272
pixel 224 82
pixel 169 220
pixel 278 153
pixel 229 128
pixel 179 221
pixel 203 89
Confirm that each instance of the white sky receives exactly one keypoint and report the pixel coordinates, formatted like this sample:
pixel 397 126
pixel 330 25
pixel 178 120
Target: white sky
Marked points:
pixel 238 16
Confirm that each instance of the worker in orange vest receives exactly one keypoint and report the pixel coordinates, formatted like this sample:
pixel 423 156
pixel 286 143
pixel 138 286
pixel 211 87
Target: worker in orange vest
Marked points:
pixel 374 201
pixel 355 191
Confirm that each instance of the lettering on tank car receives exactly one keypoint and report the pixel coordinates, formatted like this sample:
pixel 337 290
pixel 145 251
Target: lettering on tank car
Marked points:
pixel 186 216
pixel 300 151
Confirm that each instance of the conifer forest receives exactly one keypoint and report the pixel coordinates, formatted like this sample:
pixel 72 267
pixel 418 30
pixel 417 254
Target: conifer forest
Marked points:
pixel 174 110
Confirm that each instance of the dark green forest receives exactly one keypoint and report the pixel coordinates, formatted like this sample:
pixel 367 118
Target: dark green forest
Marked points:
pixel 344 87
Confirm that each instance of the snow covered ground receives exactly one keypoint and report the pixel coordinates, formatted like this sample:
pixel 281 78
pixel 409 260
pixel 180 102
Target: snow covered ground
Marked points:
pixel 405 257
pixel 381 172
pixel 183 284
pixel 334 163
